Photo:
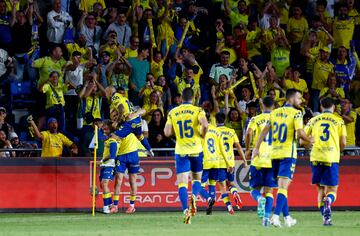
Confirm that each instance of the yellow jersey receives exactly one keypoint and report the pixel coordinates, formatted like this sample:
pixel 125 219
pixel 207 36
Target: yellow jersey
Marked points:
pixel 52 98
pixel 92 104
pixel 156 68
pixel 339 91
pixel 350 129
pixel 46 65
pixel 256 124
pixel 212 149
pixel 343 31
pixel 228 138
pixel 185 122
pixel 52 144
pixel 237 18
pixel 130 53
pixel 107 152
pixel 280 58
pixel 297 29
pixel 314 54
pixel 128 144
pixel 326 129
pixel 85 52
pixel 301 85
pixel 117 99
pixel 88 5
pixel 147 92
pixel 321 74
pixel 284 122
pixel 151 107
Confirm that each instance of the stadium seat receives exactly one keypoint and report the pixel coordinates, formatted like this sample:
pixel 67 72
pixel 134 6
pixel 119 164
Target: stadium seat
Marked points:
pixel 20 95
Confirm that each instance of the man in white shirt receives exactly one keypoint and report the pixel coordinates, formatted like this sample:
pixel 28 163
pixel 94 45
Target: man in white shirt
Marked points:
pixel 223 67
pixel 92 32
pixel 57 21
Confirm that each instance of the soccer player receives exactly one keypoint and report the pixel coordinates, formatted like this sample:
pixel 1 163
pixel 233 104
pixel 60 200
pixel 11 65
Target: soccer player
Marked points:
pixel 130 124
pixel 261 172
pixel 111 150
pixel 127 159
pixel 229 138
pixel 213 155
pixel 329 134
pixel 187 123
pixel 285 122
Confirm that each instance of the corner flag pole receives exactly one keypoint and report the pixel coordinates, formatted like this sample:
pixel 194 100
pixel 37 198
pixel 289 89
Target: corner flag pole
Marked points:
pixel 94 170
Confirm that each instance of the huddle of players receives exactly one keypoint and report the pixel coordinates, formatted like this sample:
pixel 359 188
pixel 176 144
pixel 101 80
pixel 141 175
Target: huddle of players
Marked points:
pixel 272 135
pixel 121 135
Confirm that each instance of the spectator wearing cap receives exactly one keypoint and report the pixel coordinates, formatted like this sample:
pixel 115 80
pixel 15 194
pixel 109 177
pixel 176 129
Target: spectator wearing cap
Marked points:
pixel 52 141
pixel 112 46
pixel 55 102
pixel 57 22
pixel 140 68
pixel 17 144
pixel 322 69
pixel 4 126
pixel 48 64
pixel 223 67
pixel 5 143
pixel 122 30
pixel 92 32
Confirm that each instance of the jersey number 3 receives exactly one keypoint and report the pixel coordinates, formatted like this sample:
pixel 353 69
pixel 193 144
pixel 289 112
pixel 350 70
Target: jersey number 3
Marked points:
pixel 326 134
pixel 185 128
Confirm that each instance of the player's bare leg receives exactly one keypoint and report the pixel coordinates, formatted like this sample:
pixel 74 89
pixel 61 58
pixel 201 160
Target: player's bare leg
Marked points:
pixel 196 188
pixel 133 191
pixel 320 198
pixel 225 197
pixel 330 198
pixel 183 180
pixel 106 195
pixel 282 205
pixel 117 186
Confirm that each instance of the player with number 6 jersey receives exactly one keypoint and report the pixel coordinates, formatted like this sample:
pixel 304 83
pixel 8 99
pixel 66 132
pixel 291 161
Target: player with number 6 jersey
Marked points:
pixel 187 122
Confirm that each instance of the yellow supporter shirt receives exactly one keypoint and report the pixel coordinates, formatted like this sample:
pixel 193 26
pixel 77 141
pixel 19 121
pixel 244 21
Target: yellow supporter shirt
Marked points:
pixel 280 58
pixel 117 99
pixel 284 122
pixel 85 52
pixel 51 98
pixel 253 42
pixel 228 138
pixel 130 53
pixel 52 144
pixel 269 35
pixel 181 85
pixel 111 49
pixel 326 129
pixel 314 55
pixel 185 122
pixel 297 29
pixel 343 31
pixel 148 108
pixel 321 74
pixel 96 111
pixel 148 91
pixel 232 52
pixel 350 130
pixel 235 125
pixel 256 124
pixel 339 91
pixel 156 68
pixel 236 18
pixel 212 150
pixel 128 144
pixel 301 85
pixel 87 5
pixel 46 65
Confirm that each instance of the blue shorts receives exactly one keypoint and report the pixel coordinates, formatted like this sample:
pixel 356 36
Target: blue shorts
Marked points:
pixel 260 177
pixel 106 173
pixel 129 161
pixel 185 163
pixel 224 175
pixel 326 174
pixel 284 167
pixel 128 127
pixel 209 174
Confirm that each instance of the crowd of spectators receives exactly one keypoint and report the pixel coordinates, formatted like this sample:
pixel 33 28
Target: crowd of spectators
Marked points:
pixel 150 50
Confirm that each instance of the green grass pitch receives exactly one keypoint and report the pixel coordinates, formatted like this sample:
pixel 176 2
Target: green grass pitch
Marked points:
pixel 170 223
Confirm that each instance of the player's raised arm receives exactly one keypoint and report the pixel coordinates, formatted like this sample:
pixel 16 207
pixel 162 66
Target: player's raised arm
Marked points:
pixel 262 136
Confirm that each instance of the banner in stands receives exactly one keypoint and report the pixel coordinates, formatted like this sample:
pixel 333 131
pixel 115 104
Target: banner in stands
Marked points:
pixel 33 184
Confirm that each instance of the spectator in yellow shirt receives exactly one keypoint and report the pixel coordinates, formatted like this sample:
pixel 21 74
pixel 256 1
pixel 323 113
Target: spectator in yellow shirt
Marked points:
pixel 296 82
pixel 154 104
pixel 55 102
pixel 343 28
pixel 349 118
pixel 156 64
pixel 149 87
pixel 333 91
pixel 52 141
